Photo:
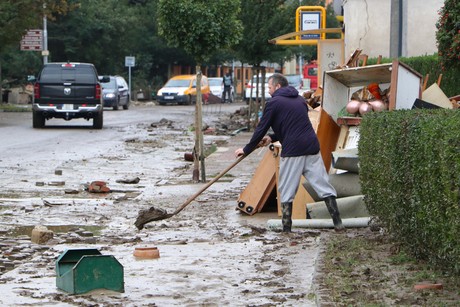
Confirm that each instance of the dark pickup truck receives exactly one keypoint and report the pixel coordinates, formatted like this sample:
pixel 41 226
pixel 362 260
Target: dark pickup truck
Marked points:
pixel 67 91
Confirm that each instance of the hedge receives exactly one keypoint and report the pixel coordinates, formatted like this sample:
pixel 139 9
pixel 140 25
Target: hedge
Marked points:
pixel 410 176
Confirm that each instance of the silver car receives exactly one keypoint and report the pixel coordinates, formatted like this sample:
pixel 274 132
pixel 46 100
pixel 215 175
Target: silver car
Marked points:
pixel 115 93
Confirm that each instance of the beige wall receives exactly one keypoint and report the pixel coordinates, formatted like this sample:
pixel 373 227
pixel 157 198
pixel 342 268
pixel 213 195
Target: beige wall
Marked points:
pixel 367 26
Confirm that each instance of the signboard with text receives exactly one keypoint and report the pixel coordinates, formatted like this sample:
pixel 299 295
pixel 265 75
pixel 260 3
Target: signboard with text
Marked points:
pixel 32 40
pixel 310 21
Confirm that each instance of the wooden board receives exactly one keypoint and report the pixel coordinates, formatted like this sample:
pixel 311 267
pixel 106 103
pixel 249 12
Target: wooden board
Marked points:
pixel 263 182
pixel 299 205
pixel 328 134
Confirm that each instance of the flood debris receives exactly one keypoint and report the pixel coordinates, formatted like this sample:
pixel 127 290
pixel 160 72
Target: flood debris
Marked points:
pixel 149 215
pixel 129 180
pixel 98 187
pixel 162 122
pixel 48 203
pixel 71 191
pixel 41 234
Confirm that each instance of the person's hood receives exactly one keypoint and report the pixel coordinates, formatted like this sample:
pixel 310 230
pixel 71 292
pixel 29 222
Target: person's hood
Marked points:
pixel 286 91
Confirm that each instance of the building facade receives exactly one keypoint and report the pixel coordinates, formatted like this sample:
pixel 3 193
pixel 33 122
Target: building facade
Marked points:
pixel 371 25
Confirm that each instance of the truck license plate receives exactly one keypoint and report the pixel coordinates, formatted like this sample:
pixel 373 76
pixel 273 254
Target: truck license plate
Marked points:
pixel 67 107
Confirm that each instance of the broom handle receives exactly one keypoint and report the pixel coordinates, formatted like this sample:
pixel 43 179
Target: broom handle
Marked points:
pixel 191 198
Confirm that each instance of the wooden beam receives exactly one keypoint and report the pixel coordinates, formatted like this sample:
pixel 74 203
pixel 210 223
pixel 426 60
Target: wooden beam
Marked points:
pixel 439 80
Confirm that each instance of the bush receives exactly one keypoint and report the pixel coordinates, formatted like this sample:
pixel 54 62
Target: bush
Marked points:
pixel 410 176
pixel 448 34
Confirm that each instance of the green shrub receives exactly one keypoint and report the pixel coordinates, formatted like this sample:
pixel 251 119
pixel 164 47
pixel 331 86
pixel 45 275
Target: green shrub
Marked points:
pixel 410 176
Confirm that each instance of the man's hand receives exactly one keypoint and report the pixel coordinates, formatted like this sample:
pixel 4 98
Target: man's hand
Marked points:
pixel 265 141
pixel 239 152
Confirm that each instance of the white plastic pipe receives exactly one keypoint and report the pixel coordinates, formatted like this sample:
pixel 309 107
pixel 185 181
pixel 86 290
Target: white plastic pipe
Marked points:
pixel 349 207
pixel 321 223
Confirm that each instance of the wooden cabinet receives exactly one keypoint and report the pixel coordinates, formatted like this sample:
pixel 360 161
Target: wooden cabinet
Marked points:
pixel 339 85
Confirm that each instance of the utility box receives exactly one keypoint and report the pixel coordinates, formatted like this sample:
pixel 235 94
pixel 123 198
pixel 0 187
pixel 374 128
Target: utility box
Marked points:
pixel 340 84
pixel 81 270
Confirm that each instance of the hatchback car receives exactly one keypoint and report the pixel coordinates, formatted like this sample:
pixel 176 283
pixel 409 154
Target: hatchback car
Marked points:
pixel 217 88
pixel 252 84
pixel 182 90
pixel 115 93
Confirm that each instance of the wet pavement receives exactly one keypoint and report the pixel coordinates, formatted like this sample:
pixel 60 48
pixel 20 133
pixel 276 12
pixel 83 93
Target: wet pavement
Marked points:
pixel 210 254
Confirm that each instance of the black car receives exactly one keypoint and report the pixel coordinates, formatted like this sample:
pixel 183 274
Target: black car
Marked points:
pixel 68 91
pixel 115 93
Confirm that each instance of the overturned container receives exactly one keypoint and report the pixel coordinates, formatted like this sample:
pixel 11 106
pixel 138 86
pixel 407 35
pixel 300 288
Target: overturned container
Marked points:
pixel 82 270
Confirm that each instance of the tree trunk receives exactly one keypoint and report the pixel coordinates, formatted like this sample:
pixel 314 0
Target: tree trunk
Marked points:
pixel 199 143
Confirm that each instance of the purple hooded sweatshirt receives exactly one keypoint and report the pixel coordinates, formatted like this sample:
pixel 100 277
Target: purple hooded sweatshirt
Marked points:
pixel 287 114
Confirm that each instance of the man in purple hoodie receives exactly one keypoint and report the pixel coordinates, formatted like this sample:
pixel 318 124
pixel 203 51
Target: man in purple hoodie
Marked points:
pixel 287 114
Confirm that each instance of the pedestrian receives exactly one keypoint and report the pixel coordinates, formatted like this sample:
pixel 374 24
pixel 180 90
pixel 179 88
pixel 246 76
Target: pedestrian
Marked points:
pixel 287 114
pixel 228 83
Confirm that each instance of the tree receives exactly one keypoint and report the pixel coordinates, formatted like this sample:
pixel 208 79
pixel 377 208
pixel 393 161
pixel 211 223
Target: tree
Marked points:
pixel 262 20
pixel 16 17
pixel 200 27
pixel 448 34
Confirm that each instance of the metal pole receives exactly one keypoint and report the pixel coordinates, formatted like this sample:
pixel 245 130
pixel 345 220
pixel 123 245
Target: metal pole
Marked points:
pixel 300 57
pixel 45 38
pixel 129 81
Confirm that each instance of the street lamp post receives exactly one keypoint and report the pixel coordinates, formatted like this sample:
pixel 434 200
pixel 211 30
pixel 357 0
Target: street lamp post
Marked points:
pixel 45 36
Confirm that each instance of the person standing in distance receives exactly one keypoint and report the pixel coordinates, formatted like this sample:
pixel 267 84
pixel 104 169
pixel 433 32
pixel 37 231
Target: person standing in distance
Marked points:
pixel 287 114
pixel 228 82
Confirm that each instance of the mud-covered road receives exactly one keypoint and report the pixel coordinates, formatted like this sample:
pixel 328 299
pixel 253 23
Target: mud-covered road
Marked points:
pixel 210 253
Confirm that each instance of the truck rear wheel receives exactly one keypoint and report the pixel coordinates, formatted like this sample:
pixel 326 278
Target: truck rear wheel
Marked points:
pixel 98 121
pixel 38 120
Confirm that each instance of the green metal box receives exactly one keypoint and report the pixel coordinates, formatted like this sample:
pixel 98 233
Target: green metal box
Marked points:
pixel 82 270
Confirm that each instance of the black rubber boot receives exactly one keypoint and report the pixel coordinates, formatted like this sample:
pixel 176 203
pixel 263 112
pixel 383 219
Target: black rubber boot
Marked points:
pixel 286 209
pixel 331 205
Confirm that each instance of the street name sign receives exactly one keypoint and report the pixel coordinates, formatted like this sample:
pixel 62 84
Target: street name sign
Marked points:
pixel 32 40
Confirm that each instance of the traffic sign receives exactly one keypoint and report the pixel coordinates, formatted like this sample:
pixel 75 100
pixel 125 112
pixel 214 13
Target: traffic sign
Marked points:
pixel 130 61
pixel 32 40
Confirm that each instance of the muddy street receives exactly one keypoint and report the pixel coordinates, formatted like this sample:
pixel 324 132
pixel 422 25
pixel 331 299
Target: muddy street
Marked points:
pixel 210 253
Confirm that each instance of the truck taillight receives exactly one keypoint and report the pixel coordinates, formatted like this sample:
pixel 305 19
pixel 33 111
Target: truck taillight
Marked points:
pixel 36 90
pixel 98 91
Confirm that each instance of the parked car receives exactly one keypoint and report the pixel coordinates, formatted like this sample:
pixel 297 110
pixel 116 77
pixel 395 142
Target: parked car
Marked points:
pixel 67 91
pixel 217 88
pixel 115 93
pixel 252 84
pixel 295 81
pixel 310 72
pixel 182 90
